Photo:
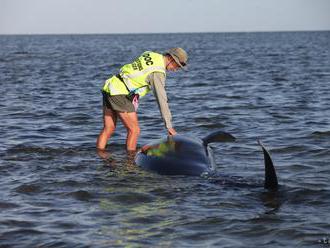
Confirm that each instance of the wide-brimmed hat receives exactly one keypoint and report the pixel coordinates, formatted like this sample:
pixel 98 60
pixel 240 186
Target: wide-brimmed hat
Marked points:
pixel 179 55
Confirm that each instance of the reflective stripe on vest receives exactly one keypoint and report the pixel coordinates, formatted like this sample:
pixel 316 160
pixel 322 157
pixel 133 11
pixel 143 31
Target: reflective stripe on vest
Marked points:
pixel 135 75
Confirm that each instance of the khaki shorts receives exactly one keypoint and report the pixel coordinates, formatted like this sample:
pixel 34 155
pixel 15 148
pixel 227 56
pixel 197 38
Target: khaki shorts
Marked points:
pixel 119 103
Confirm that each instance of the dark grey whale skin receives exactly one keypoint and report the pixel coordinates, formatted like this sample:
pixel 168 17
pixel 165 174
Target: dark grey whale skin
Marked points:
pixel 182 155
pixel 185 156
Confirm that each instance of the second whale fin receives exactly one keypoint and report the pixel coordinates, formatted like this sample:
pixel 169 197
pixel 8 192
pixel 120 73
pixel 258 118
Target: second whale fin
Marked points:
pixel 271 181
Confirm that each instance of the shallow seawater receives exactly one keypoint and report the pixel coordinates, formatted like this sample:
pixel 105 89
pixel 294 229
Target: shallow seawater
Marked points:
pixel 56 191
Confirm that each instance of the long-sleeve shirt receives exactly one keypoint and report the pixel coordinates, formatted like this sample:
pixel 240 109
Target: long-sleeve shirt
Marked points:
pixel 157 82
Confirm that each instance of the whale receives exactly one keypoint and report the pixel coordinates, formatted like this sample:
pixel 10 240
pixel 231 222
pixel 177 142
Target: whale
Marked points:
pixel 192 156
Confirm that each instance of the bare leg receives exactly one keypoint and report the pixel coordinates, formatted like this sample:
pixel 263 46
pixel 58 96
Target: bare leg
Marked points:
pixel 109 122
pixel 130 121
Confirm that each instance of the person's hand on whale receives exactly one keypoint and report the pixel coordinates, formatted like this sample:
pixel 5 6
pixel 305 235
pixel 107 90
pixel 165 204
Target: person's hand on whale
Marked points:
pixel 171 131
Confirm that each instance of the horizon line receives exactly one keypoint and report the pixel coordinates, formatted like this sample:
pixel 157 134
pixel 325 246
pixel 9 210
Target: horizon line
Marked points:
pixel 152 33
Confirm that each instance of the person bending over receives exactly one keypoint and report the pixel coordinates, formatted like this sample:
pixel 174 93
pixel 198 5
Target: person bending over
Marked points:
pixel 121 93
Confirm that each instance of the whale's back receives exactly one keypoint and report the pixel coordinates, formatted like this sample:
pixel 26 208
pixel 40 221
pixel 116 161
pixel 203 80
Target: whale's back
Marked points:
pixel 175 155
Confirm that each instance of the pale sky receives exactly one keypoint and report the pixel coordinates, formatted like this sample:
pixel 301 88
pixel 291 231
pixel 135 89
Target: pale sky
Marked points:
pixel 161 16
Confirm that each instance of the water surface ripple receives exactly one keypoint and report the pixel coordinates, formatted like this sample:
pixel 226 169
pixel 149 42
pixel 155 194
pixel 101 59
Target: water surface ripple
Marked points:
pixel 57 192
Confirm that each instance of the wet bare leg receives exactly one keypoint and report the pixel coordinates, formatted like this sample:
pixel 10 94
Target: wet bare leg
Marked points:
pixel 109 122
pixel 130 121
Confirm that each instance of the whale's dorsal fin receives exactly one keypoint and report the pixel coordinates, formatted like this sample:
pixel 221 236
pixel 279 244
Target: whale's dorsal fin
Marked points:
pixel 270 172
pixel 218 136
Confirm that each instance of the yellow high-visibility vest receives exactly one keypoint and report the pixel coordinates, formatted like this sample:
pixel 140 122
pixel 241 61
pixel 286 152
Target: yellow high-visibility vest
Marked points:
pixel 134 75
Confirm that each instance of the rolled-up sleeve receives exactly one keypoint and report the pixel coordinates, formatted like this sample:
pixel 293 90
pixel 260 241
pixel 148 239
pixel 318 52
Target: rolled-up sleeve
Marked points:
pixel 157 82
